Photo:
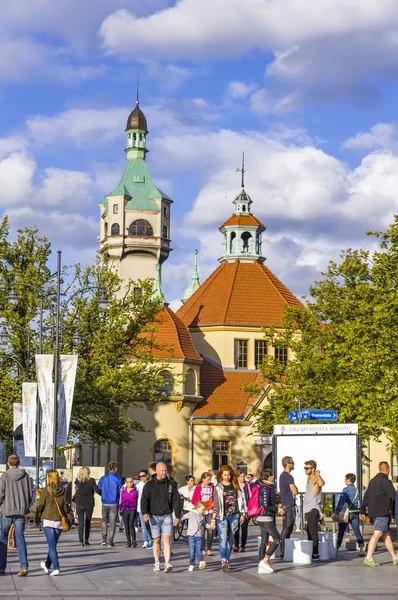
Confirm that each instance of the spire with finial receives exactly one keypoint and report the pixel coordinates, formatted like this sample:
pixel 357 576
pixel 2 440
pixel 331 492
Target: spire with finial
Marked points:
pixel 137 99
pixel 242 170
pixel 158 292
pixel 242 201
pixel 195 283
pixel 136 130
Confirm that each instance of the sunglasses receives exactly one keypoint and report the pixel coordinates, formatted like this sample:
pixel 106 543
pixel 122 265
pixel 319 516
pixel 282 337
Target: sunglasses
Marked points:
pixel 307 468
pixel 141 476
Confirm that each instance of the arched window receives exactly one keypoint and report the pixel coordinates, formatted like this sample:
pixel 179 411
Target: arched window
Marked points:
pixel 246 239
pixel 163 452
pixel 106 229
pixel 141 227
pixel 164 231
pixel 167 384
pixel 190 382
pixel 115 229
pixel 232 243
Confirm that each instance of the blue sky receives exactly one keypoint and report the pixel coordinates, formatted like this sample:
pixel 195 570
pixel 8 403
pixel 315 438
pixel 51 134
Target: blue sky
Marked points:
pixel 307 90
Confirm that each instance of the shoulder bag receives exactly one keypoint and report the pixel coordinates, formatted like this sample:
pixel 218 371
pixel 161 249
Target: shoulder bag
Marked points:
pixel 66 523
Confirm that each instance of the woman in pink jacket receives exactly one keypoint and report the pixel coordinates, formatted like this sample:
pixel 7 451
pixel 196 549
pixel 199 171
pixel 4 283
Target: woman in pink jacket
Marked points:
pixel 204 492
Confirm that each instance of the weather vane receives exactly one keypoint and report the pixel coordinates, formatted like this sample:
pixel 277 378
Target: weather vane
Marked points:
pixel 242 170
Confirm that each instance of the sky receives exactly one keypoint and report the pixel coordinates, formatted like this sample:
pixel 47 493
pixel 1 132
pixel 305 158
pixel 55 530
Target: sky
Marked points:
pixel 306 89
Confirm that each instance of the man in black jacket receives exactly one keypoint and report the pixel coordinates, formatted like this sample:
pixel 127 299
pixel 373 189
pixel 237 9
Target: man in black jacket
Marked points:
pixel 377 503
pixel 160 498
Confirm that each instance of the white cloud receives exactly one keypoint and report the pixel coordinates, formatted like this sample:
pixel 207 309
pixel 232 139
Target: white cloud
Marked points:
pixel 16 173
pixel 264 101
pixel 316 45
pixel 381 135
pixel 239 89
pixel 72 190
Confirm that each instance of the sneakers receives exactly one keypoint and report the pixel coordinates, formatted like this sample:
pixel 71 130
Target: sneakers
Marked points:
pixel 22 573
pixel 110 545
pixel 202 564
pixel 362 550
pixel 190 568
pixel 150 545
pixel 134 544
pixel 43 566
pixel 242 549
pixel 236 549
pixel 156 566
pixel 315 557
pixel 86 543
pixel 128 545
pixel 168 568
pixel 371 563
pixel 54 573
pixel 395 560
pixel 225 565
pixel 264 567
pixel 103 543
pixel 144 545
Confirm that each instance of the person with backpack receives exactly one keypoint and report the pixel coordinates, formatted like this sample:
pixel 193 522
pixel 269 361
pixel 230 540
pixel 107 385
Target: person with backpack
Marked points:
pixel 160 498
pixel 267 510
pixel 229 507
pixel 350 497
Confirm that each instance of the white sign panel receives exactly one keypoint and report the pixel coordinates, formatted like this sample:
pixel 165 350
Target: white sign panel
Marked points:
pixel 44 370
pixel 345 428
pixel 29 400
pixel 68 364
pixel 17 413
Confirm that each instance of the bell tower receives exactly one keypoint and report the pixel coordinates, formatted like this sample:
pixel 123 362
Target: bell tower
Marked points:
pixel 135 216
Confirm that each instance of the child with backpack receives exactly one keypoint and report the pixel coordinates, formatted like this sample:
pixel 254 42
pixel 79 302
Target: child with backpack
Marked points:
pixel 263 508
pixel 196 528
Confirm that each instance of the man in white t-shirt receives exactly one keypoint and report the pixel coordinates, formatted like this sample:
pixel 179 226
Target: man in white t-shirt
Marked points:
pixel 146 537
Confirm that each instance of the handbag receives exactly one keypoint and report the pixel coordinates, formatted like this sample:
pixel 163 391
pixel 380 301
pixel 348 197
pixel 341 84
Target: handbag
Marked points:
pixel 344 515
pixel 66 523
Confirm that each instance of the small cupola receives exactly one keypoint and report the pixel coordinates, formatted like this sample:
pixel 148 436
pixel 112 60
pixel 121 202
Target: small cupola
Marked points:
pixel 136 130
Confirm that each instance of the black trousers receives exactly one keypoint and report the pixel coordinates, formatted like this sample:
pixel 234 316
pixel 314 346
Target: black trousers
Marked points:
pixel 208 533
pixel 312 528
pixel 242 528
pixel 268 528
pixel 129 525
pixel 288 523
pixel 84 514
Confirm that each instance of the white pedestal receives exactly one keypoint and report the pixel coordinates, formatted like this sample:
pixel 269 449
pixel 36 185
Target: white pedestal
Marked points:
pixel 289 545
pixel 324 550
pixel 302 552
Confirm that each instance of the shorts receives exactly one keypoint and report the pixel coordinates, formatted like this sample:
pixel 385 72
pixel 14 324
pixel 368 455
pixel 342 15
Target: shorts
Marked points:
pixel 161 525
pixel 382 524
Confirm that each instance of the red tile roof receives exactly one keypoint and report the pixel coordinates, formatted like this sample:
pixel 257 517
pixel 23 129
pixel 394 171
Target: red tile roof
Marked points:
pixel 222 391
pixel 238 293
pixel 243 220
pixel 172 331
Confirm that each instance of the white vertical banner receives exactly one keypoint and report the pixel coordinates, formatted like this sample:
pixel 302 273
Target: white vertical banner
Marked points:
pixel 29 402
pixel 45 386
pixel 68 367
pixel 17 414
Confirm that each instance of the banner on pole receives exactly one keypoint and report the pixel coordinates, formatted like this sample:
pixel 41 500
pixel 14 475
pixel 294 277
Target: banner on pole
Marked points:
pixel 45 386
pixel 17 412
pixel 68 367
pixel 29 401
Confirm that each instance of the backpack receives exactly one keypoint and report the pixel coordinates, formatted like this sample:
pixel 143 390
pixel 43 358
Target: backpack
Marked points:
pixel 253 508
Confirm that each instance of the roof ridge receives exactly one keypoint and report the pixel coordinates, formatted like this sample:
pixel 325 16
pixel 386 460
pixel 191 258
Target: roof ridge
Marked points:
pixel 272 277
pixel 171 313
pixel 177 322
pixel 231 290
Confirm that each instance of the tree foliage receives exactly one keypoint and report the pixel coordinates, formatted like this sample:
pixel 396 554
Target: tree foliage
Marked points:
pixel 345 344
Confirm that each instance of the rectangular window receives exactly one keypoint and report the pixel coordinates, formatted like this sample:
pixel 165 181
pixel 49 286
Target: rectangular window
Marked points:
pixel 260 350
pixel 394 464
pixel 115 209
pixel 165 211
pixel 281 354
pixel 240 349
pixel 220 454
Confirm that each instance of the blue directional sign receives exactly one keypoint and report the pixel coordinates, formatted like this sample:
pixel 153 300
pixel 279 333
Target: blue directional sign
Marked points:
pixel 314 415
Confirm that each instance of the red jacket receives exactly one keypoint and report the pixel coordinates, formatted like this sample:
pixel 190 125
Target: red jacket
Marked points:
pixel 197 494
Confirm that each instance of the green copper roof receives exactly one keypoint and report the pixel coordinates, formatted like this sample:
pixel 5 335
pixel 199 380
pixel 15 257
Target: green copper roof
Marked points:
pixel 137 183
pixel 195 283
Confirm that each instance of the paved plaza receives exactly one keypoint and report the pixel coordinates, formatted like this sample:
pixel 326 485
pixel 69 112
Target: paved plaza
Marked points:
pixel 119 573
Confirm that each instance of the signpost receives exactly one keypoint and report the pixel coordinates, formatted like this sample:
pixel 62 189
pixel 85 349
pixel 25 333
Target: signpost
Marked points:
pixel 313 415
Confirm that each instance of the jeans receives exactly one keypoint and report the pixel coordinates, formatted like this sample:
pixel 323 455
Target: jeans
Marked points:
pixel 312 528
pixel 52 537
pixel 288 523
pixel 268 528
pixel 144 526
pixel 226 530
pixel 208 533
pixel 129 525
pixel 241 528
pixel 19 524
pixel 109 516
pixel 161 525
pixel 354 522
pixel 84 514
pixel 195 548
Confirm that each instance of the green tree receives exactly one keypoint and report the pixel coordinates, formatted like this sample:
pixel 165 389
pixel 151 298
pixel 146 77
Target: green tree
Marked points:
pixel 117 368
pixel 345 344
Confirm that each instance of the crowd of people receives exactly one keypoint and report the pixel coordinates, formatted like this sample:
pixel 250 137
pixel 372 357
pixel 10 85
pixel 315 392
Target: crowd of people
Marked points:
pixel 220 504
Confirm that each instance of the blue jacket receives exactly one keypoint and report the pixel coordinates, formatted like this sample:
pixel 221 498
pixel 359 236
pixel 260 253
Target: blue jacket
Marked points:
pixel 266 499
pixel 348 495
pixel 110 486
